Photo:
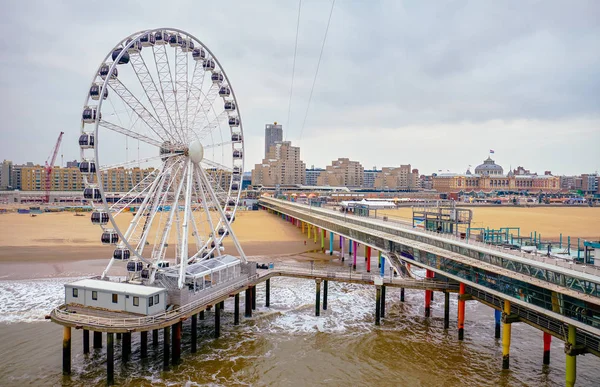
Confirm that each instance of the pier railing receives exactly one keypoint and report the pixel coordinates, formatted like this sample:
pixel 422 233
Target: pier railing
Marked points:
pixel 340 273
pixel 62 312
pixel 353 219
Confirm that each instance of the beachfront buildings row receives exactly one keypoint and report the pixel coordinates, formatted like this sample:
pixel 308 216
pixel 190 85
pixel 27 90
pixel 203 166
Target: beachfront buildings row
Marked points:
pixel 282 167
pixel 490 176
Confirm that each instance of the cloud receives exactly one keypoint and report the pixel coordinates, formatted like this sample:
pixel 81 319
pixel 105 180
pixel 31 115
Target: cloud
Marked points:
pixel 431 84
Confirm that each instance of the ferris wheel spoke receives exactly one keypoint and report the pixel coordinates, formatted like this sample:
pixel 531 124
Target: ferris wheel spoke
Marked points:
pixel 214 164
pixel 133 162
pixel 159 250
pixel 223 217
pixel 208 217
pixel 184 228
pixel 211 146
pixel 215 123
pixel 181 89
pixel 138 108
pixel 195 94
pixel 133 232
pixel 206 106
pixel 152 93
pixel 129 133
pixel 117 207
pixel 158 203
pixel 167 87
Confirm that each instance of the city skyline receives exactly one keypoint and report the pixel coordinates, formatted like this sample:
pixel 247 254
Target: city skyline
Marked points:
pixel 523 84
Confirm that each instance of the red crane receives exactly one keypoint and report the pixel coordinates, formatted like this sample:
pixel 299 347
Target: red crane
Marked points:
pixel 49 166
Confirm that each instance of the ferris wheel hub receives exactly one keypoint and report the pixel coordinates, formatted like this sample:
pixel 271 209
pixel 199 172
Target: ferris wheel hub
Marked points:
pixel 196 151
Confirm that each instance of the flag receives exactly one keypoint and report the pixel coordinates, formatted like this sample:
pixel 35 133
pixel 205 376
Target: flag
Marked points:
pixel 491 151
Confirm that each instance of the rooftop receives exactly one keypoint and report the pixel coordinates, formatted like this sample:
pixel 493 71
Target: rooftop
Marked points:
pixel 118 287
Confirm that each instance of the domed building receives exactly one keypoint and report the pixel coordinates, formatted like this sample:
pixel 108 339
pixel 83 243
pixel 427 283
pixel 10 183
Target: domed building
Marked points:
pixel 489 168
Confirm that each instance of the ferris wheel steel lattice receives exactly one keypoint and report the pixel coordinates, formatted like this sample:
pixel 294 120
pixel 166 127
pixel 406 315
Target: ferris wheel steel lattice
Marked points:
pixel 162 153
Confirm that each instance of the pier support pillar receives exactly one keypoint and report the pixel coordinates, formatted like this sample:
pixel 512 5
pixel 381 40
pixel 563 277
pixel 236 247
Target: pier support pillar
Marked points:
pixel 354 248
pixel 177 342
pixel 446 310
pixel 571 361
pixel 222 305
pixel 66 363
pixel 308 234
pixel 428 295
pixel 330 243
pixel 126 347
pixel 253 297
pixel 382 301
pixel 342 247
pixel 506 330
pixel 268 292
pixel 119 335
pixel 236 309
pixel 166 347
pixel 325 283
pixel 368 258
pixel 547 342
pixel 110 359
pixel 217 321
pixel 378 305
pixel 322 240
pixel 401 294
pixel 461 312
pixel 315 231
pixel 318 298
pixel 144 344
pixel 248 303
pixel 497 317
pixel 97 340
pixel 201 315
pixel 86 341
pixel 155 338
pixel 194 332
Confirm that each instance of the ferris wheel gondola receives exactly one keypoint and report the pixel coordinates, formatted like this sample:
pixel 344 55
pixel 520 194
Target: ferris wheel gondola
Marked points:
pixel 170 202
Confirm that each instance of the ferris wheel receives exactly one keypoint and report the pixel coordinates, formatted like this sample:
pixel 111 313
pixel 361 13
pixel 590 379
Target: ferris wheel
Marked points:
pixel 162 153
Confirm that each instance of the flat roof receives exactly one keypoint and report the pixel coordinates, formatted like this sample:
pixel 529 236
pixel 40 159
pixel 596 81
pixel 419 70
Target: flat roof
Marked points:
pixel 119 287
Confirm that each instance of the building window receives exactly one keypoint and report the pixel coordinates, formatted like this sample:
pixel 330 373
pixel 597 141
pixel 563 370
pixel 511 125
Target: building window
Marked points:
pixel 150 301
pixel 136 301
pixel 115 298
pixel 156 299
pixel 94 295
pixel 75 292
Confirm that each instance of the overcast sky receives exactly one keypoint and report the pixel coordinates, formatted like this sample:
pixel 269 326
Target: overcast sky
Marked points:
pixel 434 84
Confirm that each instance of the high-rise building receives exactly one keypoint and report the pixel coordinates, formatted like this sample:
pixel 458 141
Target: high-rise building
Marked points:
pixel 273 134
pixel 369 177
pixel 342 172
pixel 402 178
pixel 6 174
pixel 312 175
pixel 281 166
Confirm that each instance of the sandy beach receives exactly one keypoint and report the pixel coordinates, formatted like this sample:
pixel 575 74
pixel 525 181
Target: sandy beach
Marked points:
pixel 577 222
pixel 61 244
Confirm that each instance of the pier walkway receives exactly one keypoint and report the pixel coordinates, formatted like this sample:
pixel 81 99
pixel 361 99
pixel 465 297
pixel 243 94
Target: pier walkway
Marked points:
pixel 560 298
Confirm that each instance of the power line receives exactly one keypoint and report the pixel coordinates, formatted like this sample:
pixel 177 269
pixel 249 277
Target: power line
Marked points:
pixel 293 66
pixel 317 71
